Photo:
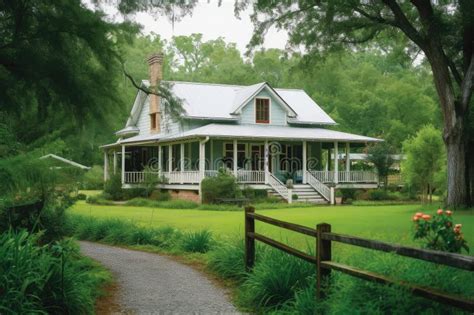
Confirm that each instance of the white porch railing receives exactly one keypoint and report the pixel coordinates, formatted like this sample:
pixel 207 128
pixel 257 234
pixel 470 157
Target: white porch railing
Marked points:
pixel 357 177
pixel 346 177
pixel 244 176
pixel 323 176
pixel 139 177
pixel 251 177
pixel 322 189
pixel 279 187
pixel 184 177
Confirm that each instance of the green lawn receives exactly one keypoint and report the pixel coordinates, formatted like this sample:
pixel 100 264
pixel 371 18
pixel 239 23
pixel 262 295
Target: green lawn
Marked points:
pixel 390 223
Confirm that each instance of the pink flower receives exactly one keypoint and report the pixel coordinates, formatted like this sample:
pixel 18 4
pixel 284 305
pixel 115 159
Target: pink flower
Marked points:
pixel 449 212
pixel 439 212
pixel 416 218
pixel 419 214
pixel 426 217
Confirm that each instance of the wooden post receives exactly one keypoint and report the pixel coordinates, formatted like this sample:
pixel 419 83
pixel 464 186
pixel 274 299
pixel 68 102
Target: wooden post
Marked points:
pixel 348 160
pixel 115 162
pixel 249 241
pixel 336 162
pixel 234 158
pixel 123 164
pixel 266 163
pixel 304 166
pixel 323 253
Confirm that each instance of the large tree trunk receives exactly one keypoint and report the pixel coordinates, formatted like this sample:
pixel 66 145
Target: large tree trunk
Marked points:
pixel 454 125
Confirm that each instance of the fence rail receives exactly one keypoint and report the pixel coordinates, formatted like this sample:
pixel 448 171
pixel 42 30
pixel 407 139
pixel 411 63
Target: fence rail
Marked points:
pixel 324 264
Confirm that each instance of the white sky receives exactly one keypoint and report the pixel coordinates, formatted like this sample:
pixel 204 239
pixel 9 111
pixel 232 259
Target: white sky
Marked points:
pixel 211 20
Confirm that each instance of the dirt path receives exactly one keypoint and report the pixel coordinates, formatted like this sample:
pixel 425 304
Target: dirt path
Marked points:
pixel 153 284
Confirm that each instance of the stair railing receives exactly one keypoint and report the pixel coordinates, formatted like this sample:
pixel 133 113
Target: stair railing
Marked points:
pixel 279 187
pixel 322 189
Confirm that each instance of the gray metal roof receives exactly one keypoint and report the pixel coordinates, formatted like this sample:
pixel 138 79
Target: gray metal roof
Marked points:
pixel 254 132
pixel 220 101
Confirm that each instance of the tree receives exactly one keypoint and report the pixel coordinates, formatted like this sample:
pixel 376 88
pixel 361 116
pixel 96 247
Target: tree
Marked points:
pixel 425 159
pixel 380 155
pixel 442 30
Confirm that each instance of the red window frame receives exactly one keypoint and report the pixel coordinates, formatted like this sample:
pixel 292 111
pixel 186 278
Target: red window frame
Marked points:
pixel 262 110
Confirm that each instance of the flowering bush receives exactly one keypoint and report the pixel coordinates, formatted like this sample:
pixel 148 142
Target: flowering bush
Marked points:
pixel 439 232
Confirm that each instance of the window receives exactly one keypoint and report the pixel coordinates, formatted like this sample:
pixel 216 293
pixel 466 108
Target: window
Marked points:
pixel 153 121
pixel 229 155
pixel 262 110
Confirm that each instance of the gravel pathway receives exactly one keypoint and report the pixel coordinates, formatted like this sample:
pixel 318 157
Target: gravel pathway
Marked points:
pixel 153 284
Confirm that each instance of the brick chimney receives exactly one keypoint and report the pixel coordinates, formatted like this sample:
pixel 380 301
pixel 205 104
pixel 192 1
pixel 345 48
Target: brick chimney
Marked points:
pixel 155 62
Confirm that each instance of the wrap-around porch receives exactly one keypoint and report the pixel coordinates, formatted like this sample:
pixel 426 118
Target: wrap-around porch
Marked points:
pixel 251 162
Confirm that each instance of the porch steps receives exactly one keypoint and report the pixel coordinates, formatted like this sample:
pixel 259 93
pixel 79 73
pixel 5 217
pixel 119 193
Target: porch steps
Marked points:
pixel 305 193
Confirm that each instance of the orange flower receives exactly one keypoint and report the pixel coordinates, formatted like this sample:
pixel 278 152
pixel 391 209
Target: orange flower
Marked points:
pixel 426 217
pixel 449 212
pixel 416 218
pixel 439 212
pixel 419 214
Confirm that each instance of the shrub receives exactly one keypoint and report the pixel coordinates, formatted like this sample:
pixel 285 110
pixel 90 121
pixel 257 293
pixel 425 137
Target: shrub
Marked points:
pixel 160 195
pixel 99 200
pixel 439 232
pixel 197 242
pixel 254 195
pixel 113 187
pixel 274 280
pixel 178 204
pixel 81 196
pixel 228 260
pixel 93 178
pixel 221 186
pixel 42 279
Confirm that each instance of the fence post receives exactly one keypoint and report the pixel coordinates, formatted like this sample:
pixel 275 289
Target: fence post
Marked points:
pixel 249 241
pixel 323 253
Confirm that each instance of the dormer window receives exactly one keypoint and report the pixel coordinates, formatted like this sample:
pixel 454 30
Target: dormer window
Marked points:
pixel 262 110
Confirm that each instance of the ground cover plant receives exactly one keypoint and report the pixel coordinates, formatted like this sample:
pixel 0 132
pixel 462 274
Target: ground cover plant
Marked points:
pixel 282 284
pixel 52 279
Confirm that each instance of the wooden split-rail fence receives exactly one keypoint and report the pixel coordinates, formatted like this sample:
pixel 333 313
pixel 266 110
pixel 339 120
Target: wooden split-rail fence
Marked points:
pixel 324 264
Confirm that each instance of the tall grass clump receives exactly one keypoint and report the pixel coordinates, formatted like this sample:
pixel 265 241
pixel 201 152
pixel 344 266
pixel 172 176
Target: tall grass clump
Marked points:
pixel 228 260
pixel 46 279
pixel 274 280
pixel 197 241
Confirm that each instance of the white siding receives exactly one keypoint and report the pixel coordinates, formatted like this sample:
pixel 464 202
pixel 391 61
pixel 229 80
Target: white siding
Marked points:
pixel 277 113
pixel 143 122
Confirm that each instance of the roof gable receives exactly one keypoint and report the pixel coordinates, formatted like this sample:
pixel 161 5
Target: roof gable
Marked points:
pixel 246 94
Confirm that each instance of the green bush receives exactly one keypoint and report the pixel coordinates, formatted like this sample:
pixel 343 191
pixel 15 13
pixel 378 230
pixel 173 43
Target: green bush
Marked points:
pixel 100 199
pixel 228 260
pixel 222 186
pixel 81 196
pixel 254 195
pixel 197 242
pixel 160 195
pixel 113 187
pixel 93 179
pixel 117 232
pixel 274 280
pixel 42 279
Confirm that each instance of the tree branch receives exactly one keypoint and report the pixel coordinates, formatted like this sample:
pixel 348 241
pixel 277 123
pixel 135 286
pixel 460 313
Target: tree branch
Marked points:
pixel 402 22
pixel 466 86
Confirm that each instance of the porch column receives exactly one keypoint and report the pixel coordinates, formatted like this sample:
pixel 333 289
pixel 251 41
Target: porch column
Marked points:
pixel 160 159
pixel 170 158
pixel 265 165
pixel 106 166
pixel 202 158
pixel 115 162
pixel 234 159
pixel 305 150
pixel 181 161
pixel 336 161
pixel 123 164
pixel 348 159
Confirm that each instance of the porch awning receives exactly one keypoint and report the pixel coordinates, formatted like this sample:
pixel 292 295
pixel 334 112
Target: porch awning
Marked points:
pixel 256 132
pixel 263 132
